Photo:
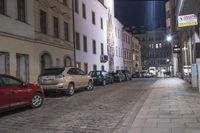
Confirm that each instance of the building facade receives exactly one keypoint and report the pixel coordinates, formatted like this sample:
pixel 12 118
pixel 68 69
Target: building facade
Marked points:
pixel 155 51
pixel 91 34
pixel 127 50
pixel 119 48
pixel 54 33
pixel 32 38
pixel 189 37
pixel 136 50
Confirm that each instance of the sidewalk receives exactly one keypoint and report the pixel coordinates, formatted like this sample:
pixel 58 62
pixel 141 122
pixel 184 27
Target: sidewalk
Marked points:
pixel 171 107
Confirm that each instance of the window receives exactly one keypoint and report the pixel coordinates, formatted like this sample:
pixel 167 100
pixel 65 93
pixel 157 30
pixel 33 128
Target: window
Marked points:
pixel 94 67
pixel 2 7
pixel 72 71
pixel 4 65
pixel 76 6
pixel 85 43
pixel 77 41
pixel 21 10
pixel 94 46
pixel 55 27
pixel 46 61
pixel 66 31
pixel 11 82
pixel 65 2
pixel 43 22
pixel 86 67
pixel 101 23
pixel 67 61
pixel 83 10
pixel 93 18
pixel 102 49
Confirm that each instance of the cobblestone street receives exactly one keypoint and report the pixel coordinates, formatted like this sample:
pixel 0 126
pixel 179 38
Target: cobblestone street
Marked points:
pixel 103 110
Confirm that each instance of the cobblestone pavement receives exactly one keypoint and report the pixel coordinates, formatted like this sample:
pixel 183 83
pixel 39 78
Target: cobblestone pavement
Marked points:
pixel 100 111
pixel 172 107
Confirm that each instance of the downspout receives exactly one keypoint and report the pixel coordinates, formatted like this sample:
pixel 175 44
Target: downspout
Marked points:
pixel 74 40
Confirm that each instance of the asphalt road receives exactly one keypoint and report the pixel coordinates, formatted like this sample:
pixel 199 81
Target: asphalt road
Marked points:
pixel 106 109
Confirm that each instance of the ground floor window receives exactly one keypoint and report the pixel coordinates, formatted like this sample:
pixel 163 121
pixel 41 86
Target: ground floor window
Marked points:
pixel 4 63
pixel 67 61
pixel 46 61
pixel 22 67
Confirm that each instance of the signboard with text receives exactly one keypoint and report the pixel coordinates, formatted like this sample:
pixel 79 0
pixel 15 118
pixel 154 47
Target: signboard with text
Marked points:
pixel 187 20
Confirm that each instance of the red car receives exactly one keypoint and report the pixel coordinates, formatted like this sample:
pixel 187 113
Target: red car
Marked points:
pixel 15 93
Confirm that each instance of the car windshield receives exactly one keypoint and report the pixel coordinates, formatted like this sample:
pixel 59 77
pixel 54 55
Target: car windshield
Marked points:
pixel 53 71
pixel 96 73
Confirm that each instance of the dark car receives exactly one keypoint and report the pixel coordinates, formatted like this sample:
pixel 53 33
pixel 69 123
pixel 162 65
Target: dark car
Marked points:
pixel 136 75
pixel 118 76
pixel 15 93
pixel 101 77
pixel 128 75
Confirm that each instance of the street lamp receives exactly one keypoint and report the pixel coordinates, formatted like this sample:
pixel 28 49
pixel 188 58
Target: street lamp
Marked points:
pixel 169 38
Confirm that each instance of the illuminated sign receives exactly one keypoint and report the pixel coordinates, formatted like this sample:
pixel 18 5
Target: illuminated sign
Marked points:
pixel 187 20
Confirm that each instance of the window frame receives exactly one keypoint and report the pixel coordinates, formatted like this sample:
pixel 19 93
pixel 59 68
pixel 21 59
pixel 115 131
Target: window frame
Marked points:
pixel 56 27
pixel 43 22
pixel 21 10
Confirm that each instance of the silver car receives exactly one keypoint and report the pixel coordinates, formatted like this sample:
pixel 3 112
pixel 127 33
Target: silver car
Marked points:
pixel 66 79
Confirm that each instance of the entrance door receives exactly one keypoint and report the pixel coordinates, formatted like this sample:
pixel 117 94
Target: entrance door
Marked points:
pixel 23 67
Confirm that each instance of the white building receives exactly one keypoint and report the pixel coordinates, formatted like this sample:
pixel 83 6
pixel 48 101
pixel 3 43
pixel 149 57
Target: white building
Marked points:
pixel 91 18
pixel 118 58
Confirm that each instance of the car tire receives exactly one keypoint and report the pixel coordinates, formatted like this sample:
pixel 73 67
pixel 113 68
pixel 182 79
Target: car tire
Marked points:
pixel 104 82
pixel 90 86
pixel 37 100
pixel 70 90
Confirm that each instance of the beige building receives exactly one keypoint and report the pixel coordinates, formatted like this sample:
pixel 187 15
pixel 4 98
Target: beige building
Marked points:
pixel 136 55
pixel 35 34
pixel 127 50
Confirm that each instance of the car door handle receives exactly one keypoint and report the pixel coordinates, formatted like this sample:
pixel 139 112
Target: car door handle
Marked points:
pixel 13 92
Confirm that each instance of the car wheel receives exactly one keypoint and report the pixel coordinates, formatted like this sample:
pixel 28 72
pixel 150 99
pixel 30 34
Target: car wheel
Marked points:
pixel 70 90
pixel 37 100
pixel 104 82
pixel 90 86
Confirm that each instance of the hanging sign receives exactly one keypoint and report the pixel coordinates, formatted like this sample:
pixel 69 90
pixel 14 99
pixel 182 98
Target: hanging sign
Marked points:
pixel 187 20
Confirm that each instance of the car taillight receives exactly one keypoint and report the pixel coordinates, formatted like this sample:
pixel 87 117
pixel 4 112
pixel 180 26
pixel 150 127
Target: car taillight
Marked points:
pixel 60 76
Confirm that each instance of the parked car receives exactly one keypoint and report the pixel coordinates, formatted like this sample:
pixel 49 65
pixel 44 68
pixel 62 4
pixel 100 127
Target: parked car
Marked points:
pixel 101 77
pixel 16 93
pixel 128 75
pixel 65 79
pixel 136 75
pixel 118 76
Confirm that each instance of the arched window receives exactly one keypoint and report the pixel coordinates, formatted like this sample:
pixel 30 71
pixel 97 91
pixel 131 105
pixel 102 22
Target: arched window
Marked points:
pixel 67 61
pixel 46 61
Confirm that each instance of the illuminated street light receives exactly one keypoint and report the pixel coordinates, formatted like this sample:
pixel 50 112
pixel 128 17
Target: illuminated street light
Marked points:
pixel 169 38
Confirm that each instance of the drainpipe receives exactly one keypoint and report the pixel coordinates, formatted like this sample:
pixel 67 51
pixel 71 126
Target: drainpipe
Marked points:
pixel 74 40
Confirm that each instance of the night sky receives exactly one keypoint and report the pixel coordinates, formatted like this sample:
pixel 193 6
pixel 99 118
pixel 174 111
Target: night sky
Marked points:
pixel 147 13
